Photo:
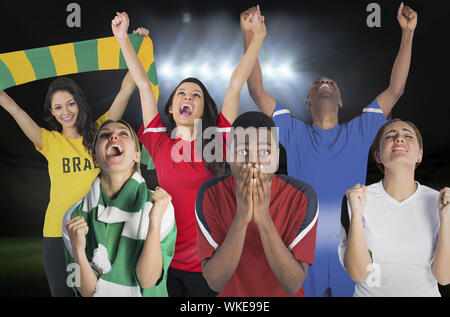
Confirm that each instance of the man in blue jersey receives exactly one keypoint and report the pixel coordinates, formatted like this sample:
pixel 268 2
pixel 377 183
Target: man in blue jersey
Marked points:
pixel 331 156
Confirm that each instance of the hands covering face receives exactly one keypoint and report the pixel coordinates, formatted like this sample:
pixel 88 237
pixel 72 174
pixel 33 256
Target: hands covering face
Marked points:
pixel 253 193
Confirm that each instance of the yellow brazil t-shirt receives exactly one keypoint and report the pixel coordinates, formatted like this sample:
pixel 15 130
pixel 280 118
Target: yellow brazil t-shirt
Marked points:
pixel 71 170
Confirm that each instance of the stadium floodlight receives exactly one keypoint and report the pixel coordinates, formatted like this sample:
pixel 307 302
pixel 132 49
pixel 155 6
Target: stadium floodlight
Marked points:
pixel 167 70
pixel 186 71
pixel 286 71
pixel 269 70
pixel 205 71
pixel 226 70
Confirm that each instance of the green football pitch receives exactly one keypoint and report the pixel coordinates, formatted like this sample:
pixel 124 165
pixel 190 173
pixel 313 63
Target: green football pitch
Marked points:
pixel 22 269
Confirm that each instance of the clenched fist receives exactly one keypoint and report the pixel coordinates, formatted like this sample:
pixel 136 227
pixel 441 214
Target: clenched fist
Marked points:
pixel 160 200
pixel 407 17
pixel 357 198
pixel 444 203
pixel 120 25
pixel 77 229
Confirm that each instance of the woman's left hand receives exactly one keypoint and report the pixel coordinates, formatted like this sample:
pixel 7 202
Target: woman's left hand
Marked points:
pixel 256 23
pixel 120 25
pixel 141 31
pixel 444 203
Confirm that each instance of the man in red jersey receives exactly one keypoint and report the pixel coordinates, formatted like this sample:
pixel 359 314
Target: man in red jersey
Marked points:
pixel 256 230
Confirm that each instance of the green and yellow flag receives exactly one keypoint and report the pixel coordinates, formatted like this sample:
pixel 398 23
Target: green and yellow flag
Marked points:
pixel 25 66
pixel 22 67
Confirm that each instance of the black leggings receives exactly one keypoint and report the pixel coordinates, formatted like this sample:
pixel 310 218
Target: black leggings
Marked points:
pixel 187 284
pixel 55 267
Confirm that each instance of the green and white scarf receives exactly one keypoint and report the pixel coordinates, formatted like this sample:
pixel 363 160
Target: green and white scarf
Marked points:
pixel 117 277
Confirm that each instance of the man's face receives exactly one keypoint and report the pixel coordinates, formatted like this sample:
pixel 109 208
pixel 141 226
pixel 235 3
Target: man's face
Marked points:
pixel 254 146
pixel 324 88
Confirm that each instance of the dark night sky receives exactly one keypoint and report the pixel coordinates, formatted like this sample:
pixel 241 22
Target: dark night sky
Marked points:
pixel 322 38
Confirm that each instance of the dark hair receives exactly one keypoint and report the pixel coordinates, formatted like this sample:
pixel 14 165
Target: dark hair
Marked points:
pixel 210 113
pixel 258 120
pixel 255 119
pixel 85 125
pixel 376 142
pixel 209 118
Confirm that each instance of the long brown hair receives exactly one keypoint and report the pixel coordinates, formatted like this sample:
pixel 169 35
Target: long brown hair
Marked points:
pixel 376 142
pixel 209 119
pixel 85 125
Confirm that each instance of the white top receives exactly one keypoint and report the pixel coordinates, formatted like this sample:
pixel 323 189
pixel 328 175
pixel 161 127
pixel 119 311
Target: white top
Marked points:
pixel 402 240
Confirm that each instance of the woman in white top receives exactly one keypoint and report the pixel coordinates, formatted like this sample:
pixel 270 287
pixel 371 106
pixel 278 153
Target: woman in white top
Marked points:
pixel 395 235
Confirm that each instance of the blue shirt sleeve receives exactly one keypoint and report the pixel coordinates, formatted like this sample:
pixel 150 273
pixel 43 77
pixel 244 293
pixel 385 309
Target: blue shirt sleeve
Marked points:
pixel 368 123
pixel 289 127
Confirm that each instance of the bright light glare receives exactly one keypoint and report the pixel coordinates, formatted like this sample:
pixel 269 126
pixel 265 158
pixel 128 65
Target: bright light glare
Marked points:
pixel 226 70
pixel 167 70
pixel 269 70
pixel 286 71
pixel 205 71
pixel 208 70
pixel 187 71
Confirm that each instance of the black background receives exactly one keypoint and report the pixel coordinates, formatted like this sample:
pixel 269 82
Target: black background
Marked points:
pixel 327 38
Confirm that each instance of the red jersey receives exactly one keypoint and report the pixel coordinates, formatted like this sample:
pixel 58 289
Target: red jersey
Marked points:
pixel 181 179
pixel 294 212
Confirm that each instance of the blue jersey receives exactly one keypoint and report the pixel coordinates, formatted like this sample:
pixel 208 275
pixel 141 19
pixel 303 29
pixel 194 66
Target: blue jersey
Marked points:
pixel 331 161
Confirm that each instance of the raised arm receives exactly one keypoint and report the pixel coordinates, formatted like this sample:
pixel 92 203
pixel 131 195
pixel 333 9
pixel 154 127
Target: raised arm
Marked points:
pixel 120 28
pixel 120 103
pixel 441 264
pixel 357 258
pixel 243 70
pixel 407 18
pixel 115 112
pixel 265 102
pixel 150 264
pixel 28 126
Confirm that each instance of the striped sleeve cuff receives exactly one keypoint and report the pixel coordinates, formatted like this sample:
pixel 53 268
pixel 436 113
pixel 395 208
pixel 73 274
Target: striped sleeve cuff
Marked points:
pixel 280 110
pixel 374 107
pixel 308 223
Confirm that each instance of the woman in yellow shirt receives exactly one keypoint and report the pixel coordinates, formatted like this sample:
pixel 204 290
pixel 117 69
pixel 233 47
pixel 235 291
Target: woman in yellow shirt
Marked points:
pixel 70 165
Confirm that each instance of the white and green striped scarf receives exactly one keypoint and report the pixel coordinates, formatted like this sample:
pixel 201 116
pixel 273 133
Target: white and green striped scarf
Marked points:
pixel 131 207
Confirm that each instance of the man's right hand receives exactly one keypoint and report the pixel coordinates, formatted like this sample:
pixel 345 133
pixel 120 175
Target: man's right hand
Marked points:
pixel 407 17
